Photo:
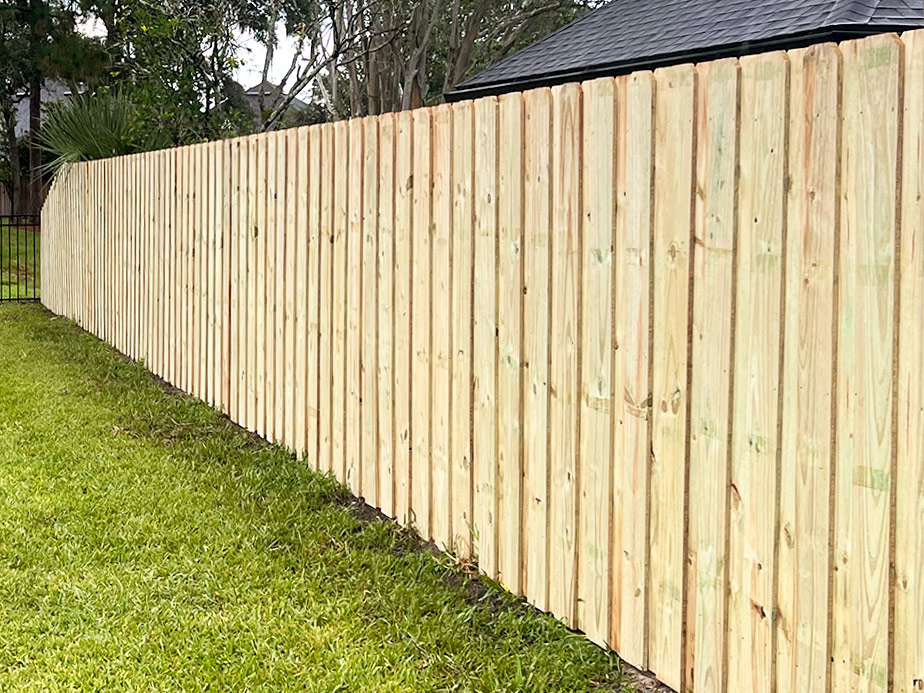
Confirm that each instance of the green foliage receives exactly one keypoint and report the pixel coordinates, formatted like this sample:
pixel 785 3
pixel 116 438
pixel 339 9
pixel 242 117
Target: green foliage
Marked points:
pixel 149 544
pixel 97 127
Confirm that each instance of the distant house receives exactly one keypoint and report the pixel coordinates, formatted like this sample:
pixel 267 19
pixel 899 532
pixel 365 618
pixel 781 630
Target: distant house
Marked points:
pixel 52 92
pixel 628 35
pixel 270 92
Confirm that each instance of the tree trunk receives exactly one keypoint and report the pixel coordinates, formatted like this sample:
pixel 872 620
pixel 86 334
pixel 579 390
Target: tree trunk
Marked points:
pixel 12 147
pixel 35 150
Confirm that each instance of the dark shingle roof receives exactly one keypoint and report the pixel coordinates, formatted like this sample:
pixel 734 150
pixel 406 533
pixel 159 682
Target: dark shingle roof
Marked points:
pixel 637 34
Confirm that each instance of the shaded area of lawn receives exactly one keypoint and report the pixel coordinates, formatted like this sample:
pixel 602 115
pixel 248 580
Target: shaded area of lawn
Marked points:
pixel 148 543
pixel 19 261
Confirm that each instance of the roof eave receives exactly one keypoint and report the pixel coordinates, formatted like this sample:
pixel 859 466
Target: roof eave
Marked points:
pixel 788 42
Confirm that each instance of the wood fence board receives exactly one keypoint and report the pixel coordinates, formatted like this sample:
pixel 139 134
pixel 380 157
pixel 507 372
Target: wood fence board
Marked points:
pixel 463 243
pixel 317 247
pixel 564 383
pixel 597 344
pixel 908 674
pixel 354 278
pixel 756 397
pixel 713 301
pixel 421 257
pixel 325 310
pixel 631 448
pixel 303 274
pixel 339 300
pixel 294 275
pixel 806 459
pixel 484 326
pixel 369 312
pixel 865 388
pixel 441 326
pixel 509 339
pixel 385 385
pixel 537 202
pixel 674 173
pixel 404 201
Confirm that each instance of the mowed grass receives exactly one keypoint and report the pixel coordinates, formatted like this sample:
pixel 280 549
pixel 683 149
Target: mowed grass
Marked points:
pixel 19 261
pixel 146 543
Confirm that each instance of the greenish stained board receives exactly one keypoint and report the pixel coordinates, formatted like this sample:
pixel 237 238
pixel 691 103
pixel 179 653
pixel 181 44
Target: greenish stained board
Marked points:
pixel 404 199
pixel 597 346
pixel 316 280
pixel 564 378
pixel 325 298
pixel 509 339
pixel 909 483
pixel 673 206
pixel 536 337
pixel 865 388
pixel 354 277
pixel 713 301
pixel 806 459
pixel 484 326
pixel 756 398
pixel 369 316
pixel 441 327
pixel 338 309
pixel 631 448
pixel 385 384
pixel 460 461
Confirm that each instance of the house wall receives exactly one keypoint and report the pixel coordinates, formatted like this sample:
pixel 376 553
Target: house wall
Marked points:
pixel 650 348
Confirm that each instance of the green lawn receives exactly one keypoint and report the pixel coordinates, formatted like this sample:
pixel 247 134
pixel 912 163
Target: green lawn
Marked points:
pixel 146 543
pixel 19 261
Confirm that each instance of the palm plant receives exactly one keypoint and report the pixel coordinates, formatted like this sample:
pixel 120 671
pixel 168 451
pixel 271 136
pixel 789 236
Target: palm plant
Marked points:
pixel 96 127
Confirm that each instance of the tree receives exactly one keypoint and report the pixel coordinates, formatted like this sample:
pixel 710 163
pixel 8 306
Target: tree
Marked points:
pixel 361 57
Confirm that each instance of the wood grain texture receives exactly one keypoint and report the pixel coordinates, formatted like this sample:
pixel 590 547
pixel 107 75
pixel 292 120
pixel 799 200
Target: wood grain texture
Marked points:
pixel 325 299
pixel 353 431
pixel 597 347
pixel 461 309
pixel 385 425
pixel 674 173
pixel 369 318
pixel 509 339
pixel 339 313
pixel 421 314
pixel 866 324
pixel 908 674
pixel 713 301
pixel 631 447
pixel 484 326
pixel 564 377
pixel 806 459
pixel 536 337
pixel 404 209
pixel 441 328
pixel 756 397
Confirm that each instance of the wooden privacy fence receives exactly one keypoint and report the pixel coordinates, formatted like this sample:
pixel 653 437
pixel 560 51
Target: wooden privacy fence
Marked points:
pixel 650 348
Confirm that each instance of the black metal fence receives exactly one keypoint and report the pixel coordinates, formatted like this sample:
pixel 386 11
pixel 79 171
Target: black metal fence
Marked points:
pixel 20 252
